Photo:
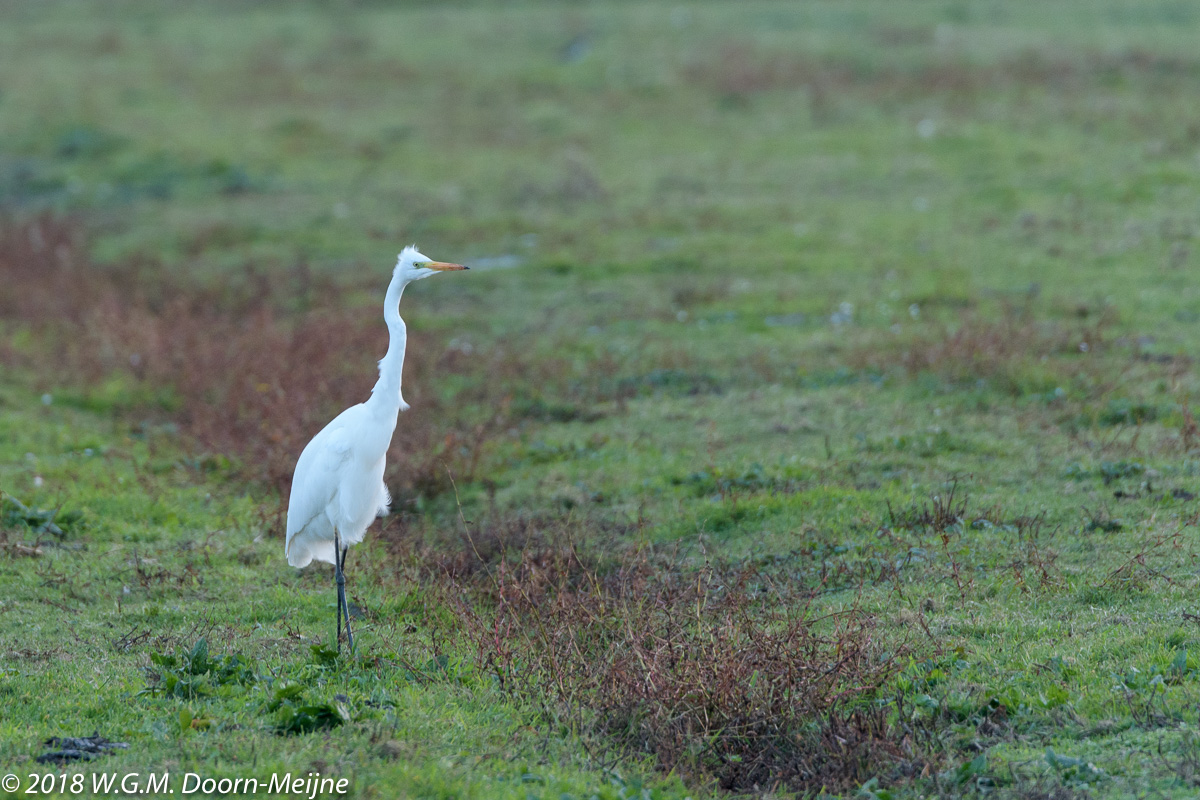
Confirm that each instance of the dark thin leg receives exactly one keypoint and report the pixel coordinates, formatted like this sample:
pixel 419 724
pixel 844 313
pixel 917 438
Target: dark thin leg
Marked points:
pixel 340 581
pixel 345 605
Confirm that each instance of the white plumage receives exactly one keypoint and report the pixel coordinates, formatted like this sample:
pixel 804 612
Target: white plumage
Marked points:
pixel 337 487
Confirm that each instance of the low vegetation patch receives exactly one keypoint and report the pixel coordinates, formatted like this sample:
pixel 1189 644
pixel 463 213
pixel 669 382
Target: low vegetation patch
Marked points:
pixel 726 674
pixel 192 673
pixel 294 714
pixel 16 516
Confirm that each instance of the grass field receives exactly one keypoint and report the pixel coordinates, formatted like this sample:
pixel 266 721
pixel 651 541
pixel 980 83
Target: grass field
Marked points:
pixel 815 419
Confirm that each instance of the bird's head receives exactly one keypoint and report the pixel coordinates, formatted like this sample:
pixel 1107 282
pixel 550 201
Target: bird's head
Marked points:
pixel 412 265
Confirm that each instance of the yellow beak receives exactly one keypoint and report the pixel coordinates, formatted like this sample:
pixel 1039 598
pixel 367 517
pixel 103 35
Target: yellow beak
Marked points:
pixel 443 266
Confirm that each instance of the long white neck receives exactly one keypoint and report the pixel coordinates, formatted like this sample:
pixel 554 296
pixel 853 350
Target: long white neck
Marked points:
pixel 386 397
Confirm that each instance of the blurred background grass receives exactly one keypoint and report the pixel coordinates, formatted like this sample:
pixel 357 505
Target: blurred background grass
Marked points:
pixel 819 152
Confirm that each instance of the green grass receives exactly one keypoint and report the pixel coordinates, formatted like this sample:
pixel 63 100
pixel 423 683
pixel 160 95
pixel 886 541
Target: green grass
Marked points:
pixel 739 229
pixel 159 561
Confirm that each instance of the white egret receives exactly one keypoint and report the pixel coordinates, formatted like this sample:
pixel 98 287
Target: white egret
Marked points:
pixel 338 489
